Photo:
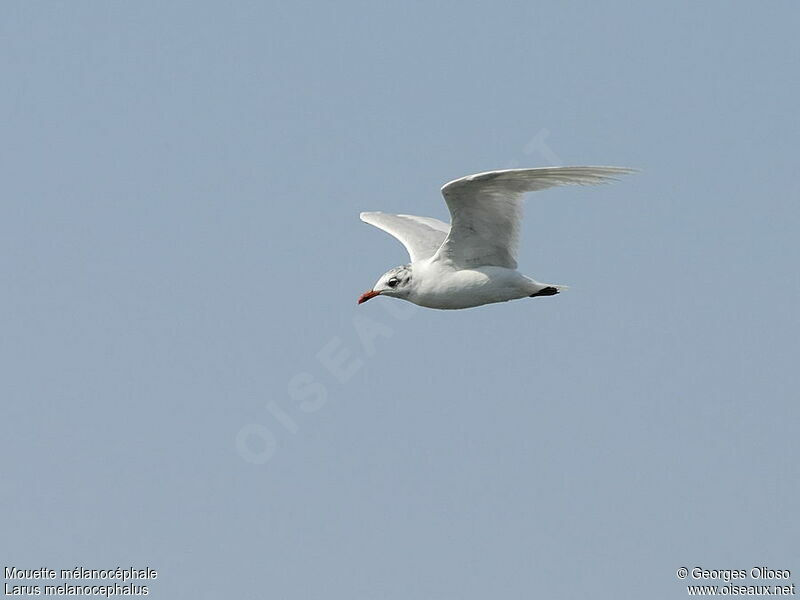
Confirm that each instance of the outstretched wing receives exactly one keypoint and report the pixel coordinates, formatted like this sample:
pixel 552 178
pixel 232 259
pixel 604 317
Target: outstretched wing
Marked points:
pixel 486 210
pixel 422 236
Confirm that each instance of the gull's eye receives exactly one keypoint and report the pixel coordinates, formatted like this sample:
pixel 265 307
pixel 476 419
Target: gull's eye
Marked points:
pixel 393 282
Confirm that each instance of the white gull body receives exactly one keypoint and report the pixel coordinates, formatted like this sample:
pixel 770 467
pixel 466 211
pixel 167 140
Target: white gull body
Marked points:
pixel 473 261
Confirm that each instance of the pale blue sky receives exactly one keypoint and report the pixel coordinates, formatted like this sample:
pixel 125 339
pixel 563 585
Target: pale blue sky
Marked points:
pixel 180 241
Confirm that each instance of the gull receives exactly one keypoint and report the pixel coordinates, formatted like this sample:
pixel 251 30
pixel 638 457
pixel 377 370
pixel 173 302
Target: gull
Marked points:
pixel 473 261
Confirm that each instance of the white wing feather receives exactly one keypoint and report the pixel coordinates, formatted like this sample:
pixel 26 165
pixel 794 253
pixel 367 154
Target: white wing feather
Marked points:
pixel 486 210
pixel 422 236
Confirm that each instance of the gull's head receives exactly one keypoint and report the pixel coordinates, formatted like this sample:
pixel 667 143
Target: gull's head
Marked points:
pixel 395 282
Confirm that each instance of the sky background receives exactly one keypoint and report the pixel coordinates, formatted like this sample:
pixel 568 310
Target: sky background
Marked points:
pixel 187 381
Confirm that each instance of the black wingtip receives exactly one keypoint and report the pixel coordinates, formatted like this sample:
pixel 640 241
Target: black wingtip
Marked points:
pixel 548 291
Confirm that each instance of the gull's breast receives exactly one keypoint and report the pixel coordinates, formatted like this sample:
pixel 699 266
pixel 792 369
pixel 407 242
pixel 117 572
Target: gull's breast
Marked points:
pixel 446 288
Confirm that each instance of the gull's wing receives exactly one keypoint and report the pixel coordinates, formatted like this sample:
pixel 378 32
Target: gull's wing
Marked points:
pixel 486 210
pixel 422 236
